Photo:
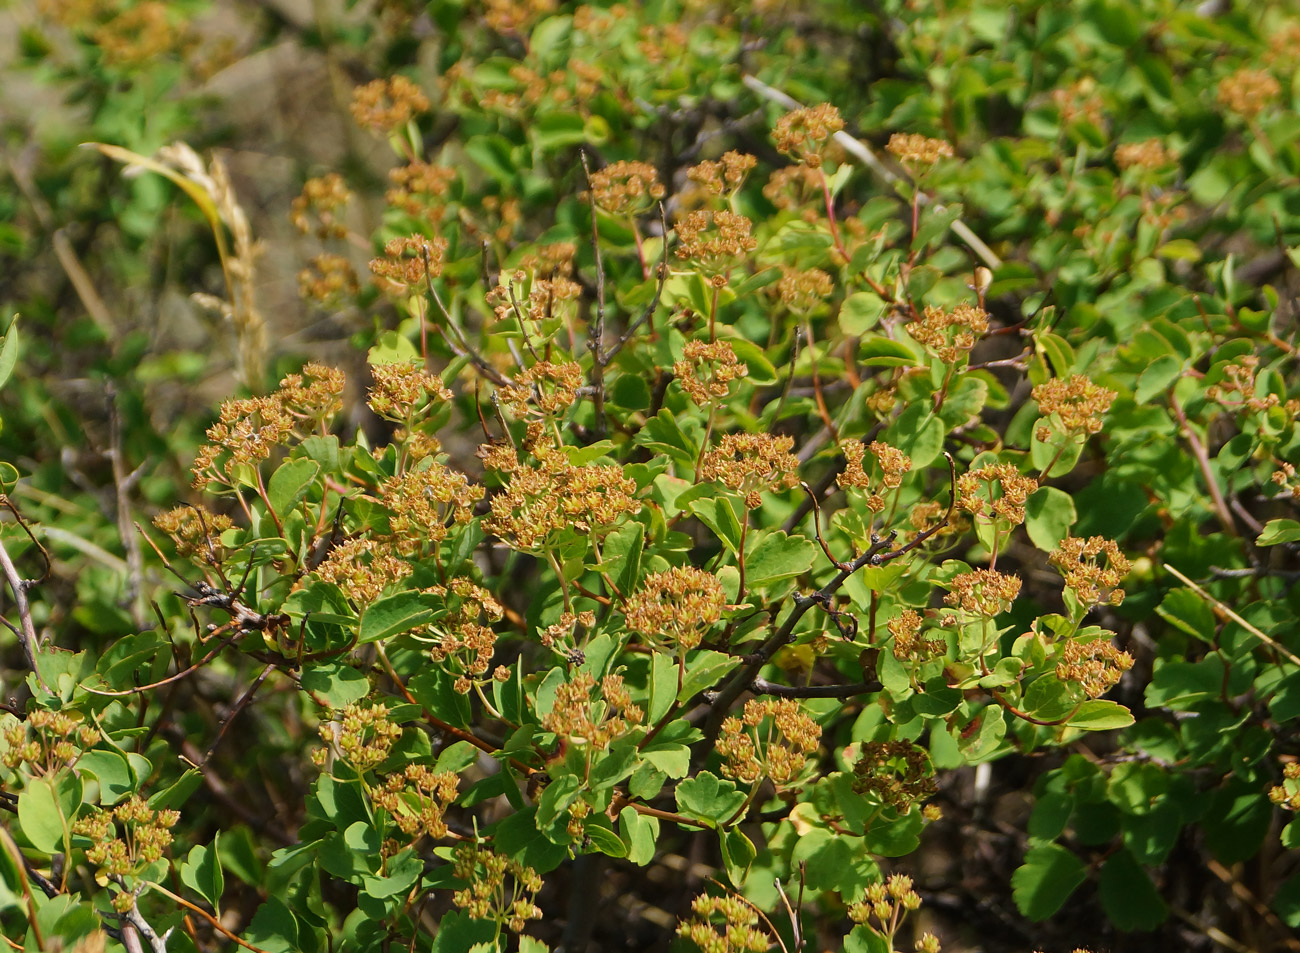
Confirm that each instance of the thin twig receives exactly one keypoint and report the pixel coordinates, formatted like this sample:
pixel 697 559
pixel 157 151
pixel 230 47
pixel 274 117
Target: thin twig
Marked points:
pixel 27 629
pixel 596 333
pixel 123 484
pixel 1207 471
pixel 653 306
pixel 1224 609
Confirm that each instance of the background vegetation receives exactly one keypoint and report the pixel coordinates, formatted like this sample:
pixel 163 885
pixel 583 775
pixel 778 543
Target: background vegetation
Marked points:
pixel 645 513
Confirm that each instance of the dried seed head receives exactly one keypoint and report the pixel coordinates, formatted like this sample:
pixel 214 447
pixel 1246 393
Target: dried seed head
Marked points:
pixel 804 133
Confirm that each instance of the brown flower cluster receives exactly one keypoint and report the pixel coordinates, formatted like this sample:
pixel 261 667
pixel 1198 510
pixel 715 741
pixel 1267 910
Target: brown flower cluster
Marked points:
pixel 893 464
pixel 539 501
pixel 676 608
pixel 626 188
pixel 1077 402
pixel 195 531
pixel 1148 154
pixel 916 150
pixel 464 630
pixel 424 500
pixel 329 280
pixel 47 740
pixel 516 16
pixel 949 335
pixel 802 291
pixel 363 736
pixel 408 261
pixel 707 370
pixel 983 592
pixel 419 188
pixel 924 516
pixel 714 242
pixel 796 187
pixel 1080 101
pixel 1287 794
pixel 141 35
pixel 545 295
pixel 403 389
pixel 725 175
pixel 738 933
pixel 1285 477
pixel 567 628
pixel 1093 568
pixel 1097 665
pixel 596 722
pixel 417 800
pixel 145 835
pixel 1248 92
pixel 772 738
pixel 751 463
pixel 385 106
pixel 552 387
pixel 486 897
pixel 908 643
pixel 977 496
pixel 804 134
pixel 897 773
pixel 321 198
pixel 362 569
pixel 1235 390
pixel 555 258
pixel 248 430
pixel 883 907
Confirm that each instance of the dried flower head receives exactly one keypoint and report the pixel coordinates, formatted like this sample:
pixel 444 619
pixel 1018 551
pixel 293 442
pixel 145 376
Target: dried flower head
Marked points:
pixel 408 261
pixel 195 531
pixel 329 280
pixel 802 291
pixel 995 492
pixel 1148 154
pixel 707 371
pixel 751 463
pixel 424 501
pixel 420 188
pixel 626 188
pixel 417 799
pixel 403 390
pixel 909 645
pixel 916 150
pixel 597 721
pixel 982 592
pixel 322 198
pixel 489 896
pixel 949 335
pixel 385 106
pixel 897 773
pixel 804 133
pixel 1093 568
pixel 47 741
pixel 714 242
pixel 1248 92
pixel 1096 665
pixel 738 933
pixel 1076 402
pixel 676 608
pixel 771 739
pixel 145 834
pixel 462 630
pixel 362 569
pixel 540 501
pixel 723 176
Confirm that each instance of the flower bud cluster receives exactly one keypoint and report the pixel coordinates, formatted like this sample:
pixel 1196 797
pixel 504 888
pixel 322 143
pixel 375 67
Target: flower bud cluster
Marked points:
pixel 804 134
pixel 144 836
pixel 402 388
pixel 893 464
pixel 751 463
pixel 897 773
pixel 409 261
pixel 982 592
pixel 908 642
pixel 883 907
pixel 772 738
pixel 976 495
pixel 417 800
pixel 385 106
pixel 1287 794
pixel 802 291
pixel 1096 666
pixel 363 735
pixel 738 933
pixel 420 188
pixel 464 630
pixel 714 242
pixel 724 176
pixel 486 897
pixel 1076 402
pixel 362 569
pixel 626 188
pixel 916 150
pixel 551 387
pixel 195 531
pixel 707 370
pixel 1093 568
pixel 47 741
pixel 676 608
pixel 329 280
pixel 1147 154
pixel 949 335
pixel 581 719
pixel 1248 92
pixel 323 197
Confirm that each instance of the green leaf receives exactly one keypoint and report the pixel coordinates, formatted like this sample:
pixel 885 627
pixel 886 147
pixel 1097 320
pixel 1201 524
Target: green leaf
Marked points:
pixel 398 613
pixel 202 873
pixel 45 813
pixel 290 483
pixel 738 854
pixel 1099 714
pixel 876 350
pixel 709 798
pixel 1279 531
pixel 9 351
pixel 718 515
pixel 918 433
pixel 640 833
pixel 458 932
pixel 603 838
pixel 1049 514
pixel 1185 610
pixel 1157 378
pixel 778 556
pixel 337 683
pixel 1127 894
pixel 860 312
pixel 273 928
pixel 1286 901
pixel 112 770
pixel 1045 881
pixel 663 686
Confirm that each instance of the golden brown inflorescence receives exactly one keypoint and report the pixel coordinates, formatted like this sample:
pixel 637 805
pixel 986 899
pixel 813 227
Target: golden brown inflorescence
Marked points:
pixel 465 629
pixel 1077 403
pixel 330 280
pixel 772 738
pixel 949 335
pixel 363 568
pixel 363 735
pixel 897 773
pixel 47 741
pixel 916 150
pixel 317 209
pixel 804 134
pixel 723 176
pixel 417 799
pixel 707 370
pixel 1096 665
pixel 803 291
pixel 676 608
pixel 195 531
pixel 751 463
pixel 1248 92
pixel 626 188
pixel 883 907
pixel 575 715
pixel 408 261
pixel 385 106
pixel 893 464
pixel 982 592
pixel 909 644
pixel 1093 568
pixel 995 492
pixel 145 835
pixel 738 933
pixel 714 242
pixel 1147 154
